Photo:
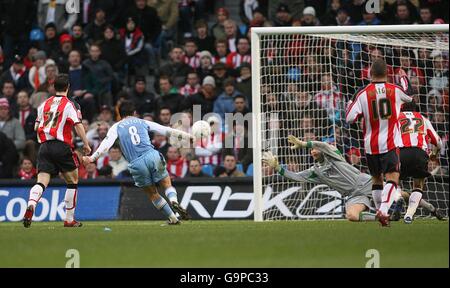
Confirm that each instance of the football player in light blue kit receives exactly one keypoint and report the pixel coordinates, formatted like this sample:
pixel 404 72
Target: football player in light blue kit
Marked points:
pixel 146 165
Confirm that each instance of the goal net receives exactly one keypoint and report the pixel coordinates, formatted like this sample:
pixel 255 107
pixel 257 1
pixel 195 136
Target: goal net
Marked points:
pixel 303 79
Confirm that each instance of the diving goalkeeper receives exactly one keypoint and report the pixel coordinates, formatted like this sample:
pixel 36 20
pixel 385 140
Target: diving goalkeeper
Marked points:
pixel 331 169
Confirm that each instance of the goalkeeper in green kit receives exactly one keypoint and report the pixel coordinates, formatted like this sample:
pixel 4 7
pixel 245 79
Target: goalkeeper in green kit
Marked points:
pixel 331 169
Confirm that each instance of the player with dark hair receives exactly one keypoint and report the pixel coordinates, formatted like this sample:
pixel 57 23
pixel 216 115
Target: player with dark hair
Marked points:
pixel 416 133
pixel 379 104
pixel 147 165
pixel 57 116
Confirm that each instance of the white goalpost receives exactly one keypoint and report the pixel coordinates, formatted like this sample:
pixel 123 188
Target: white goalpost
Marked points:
pixel 303 78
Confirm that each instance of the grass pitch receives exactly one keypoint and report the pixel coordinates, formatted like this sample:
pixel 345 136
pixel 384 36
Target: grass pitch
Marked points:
pixel 425 243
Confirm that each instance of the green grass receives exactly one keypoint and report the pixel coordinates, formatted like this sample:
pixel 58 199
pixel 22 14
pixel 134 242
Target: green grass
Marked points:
pixel 226 244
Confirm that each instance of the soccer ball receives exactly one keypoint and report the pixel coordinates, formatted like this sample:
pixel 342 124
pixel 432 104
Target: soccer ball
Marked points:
pixel 201 129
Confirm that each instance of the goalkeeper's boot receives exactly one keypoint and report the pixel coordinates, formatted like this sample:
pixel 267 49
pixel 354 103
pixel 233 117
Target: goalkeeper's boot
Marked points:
pixel 73 224
pixel 439 214
pixel 383 219
pixel 408 219
pixel 182 212
pixel 28 216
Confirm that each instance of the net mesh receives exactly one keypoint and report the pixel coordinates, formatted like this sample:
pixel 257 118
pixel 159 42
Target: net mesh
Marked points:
pixel 306 83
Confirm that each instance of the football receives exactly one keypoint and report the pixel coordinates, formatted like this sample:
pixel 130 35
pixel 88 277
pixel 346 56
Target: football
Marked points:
pixel 201 129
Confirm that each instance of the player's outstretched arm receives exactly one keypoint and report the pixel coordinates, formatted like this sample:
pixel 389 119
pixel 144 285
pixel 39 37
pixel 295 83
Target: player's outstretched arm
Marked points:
pixel 79 129
pixel 323 147
pixel 304 176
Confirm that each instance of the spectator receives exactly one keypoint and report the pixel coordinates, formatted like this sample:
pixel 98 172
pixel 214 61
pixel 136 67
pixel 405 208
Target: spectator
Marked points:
pixel 79 40
pixel 218 29
pixel 191 55
pixel 17 73
pixel 51 71
pixel 238 144
pixel 164 116
pixel 169 96
pixel 9 93
pixel 239 105
pixel 9 155
pixel 37 75
pixel 409 68
pixel 244 82
pixel 176 165
pixel 309 17
pixel 209 150
pixel 26 115
pixel 203 40
pixel 168 13
pixel 426 16
pixel 330 17
pixel 116 161
pixel 355 9
pixel 229 163
pixel 282 18
pixel 137 56
pixel 241 55
pixel 176 69
pixel 10 126
pixel 91 172
pixel 195 170
pixel 106 115
pixel 369 19
pixel 205 98
pixel 28 59
pixel 225 102
pixel 231 34
pixel 403 15
pixel 220 73
pixel 102 72
pixel 143 100
pixel 96 134
pixel 206 64
pixel 192 86
pixel 113 9
pixel 342 18
pixel 146 18
pixel 50 11
pixel 259 19
pixel 106 172
pixel 94 30
pixel 439 78
pixel 113 50
pixel 27 170
pixel 329 98
pixel 17 19
pixel 160 143
pixel 246 8
pixel 61 58
pixel 83 85
pixel 50 44
pixel 221 51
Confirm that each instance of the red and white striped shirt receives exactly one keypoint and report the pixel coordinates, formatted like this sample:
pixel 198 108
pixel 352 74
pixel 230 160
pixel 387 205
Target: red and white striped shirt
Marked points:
pixel 56 118
pixel 177 168
pixel 193 61
pixel 379 104
pixel 234 59
pixel 209 150
pixel 417 131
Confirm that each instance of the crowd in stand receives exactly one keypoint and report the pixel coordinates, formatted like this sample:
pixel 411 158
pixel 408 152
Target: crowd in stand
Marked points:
pixel 169 55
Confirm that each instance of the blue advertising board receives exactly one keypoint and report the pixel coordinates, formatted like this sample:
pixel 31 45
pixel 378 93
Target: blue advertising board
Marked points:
pixel 93 203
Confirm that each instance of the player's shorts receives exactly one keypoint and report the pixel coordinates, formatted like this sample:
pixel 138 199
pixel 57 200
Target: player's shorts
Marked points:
pixel 149 169
pixel 384 163
pixel 414 163
pixel 358 199
pixel 55 156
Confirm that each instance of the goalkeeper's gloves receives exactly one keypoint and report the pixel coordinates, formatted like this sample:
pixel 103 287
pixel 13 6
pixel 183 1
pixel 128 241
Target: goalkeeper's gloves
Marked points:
pixel 297 143
pixel 270 160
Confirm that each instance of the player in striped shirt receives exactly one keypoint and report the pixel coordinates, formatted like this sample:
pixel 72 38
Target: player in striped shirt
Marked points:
pixel 416 133
pixel 57 116
pixel 379 104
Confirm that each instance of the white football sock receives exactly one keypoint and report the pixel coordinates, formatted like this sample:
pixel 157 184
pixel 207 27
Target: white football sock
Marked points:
pixel 414 200
pixel 376 195
pixel 70 200
pixel 35 194
pixel 388 197
pixel 171 194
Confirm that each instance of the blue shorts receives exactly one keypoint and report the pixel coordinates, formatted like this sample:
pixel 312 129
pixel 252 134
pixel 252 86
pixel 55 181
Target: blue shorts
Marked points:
pixel 148 169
